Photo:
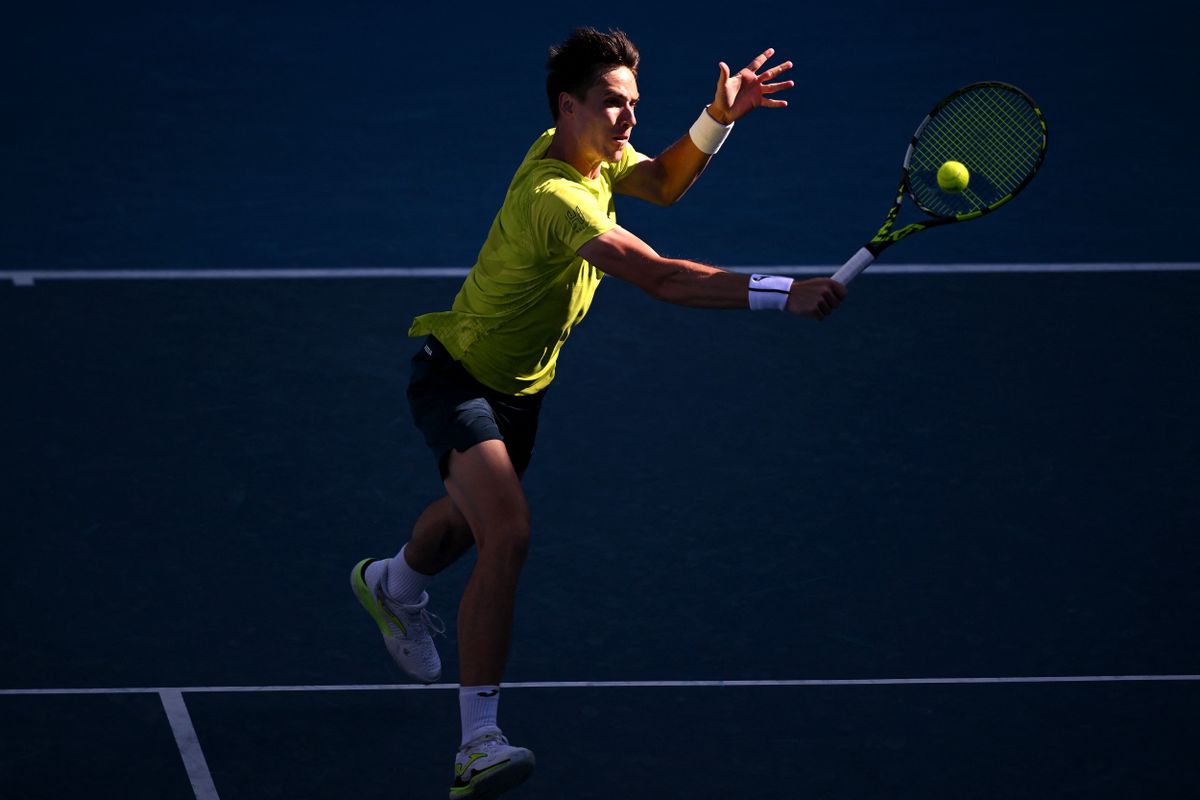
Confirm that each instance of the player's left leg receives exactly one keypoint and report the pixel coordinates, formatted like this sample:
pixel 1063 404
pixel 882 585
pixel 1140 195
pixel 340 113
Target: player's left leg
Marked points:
pixel 440 537
pixel 392 590
pixel 485 485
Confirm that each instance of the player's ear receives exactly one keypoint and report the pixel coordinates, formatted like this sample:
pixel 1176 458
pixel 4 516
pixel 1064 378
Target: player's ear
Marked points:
pixel 566 103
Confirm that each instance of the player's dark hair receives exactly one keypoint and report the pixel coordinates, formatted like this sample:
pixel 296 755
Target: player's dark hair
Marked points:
pixel 587 55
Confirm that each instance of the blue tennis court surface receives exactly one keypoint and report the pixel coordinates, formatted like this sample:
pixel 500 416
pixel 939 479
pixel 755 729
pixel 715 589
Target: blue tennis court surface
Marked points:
pixel 941 545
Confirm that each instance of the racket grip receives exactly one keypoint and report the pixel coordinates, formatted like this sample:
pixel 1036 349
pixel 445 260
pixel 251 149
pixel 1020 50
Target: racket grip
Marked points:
pixel 857 263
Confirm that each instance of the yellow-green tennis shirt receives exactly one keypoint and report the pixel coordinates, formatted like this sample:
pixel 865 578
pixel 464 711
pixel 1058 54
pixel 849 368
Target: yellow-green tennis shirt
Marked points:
pixel 529 288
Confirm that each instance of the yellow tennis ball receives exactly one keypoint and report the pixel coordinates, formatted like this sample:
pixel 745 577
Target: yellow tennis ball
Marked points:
pixel 953 177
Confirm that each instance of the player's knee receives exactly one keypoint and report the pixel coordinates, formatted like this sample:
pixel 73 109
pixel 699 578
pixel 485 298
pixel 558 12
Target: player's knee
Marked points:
pixel 508 542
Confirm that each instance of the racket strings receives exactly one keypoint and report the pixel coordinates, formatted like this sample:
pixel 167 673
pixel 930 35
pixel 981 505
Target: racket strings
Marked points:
pixel 995 132
pixel 993 159
pixel 1005 141
pixel 1015 143
pixel 988 138
pixel 990 150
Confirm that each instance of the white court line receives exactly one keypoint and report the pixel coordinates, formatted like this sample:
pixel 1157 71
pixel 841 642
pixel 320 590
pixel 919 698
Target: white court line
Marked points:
pixel 188 744
pixel 31 277
pixel 676 684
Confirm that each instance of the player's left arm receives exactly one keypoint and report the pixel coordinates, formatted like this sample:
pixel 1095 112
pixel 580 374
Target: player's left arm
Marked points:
pixel 665 179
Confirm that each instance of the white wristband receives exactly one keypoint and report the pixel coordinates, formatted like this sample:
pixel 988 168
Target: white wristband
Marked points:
pixel 769 292
pixel 708 134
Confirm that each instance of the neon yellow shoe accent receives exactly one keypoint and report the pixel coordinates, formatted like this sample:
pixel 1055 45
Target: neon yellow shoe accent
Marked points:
pixel 459 769
pixel 370 602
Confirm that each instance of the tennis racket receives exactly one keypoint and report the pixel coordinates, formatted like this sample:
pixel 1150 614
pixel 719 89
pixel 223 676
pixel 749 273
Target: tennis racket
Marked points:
pixel 993 129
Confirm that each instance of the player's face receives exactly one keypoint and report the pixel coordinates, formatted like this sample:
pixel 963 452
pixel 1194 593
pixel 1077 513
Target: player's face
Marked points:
pixel 608 113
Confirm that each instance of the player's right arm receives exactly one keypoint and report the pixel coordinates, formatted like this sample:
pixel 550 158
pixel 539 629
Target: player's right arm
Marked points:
pixel 689 283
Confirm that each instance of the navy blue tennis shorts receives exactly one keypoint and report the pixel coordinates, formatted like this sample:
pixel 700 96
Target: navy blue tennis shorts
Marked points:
pixel 455 412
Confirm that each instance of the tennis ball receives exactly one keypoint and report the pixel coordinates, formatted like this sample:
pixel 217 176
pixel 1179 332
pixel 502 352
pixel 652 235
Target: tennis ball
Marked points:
pixel 953 177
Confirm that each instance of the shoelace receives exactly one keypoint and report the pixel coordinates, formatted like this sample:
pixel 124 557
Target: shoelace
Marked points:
pixel 488 741
pixel 434 623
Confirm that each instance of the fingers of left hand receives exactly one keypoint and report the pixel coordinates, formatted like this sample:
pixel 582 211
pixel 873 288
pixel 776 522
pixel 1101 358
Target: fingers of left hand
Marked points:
pixel 769 88
pixel 761 59
pixel 776 71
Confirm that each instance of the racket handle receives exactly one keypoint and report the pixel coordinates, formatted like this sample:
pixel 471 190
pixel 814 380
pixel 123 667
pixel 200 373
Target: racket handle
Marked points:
pixel 857 263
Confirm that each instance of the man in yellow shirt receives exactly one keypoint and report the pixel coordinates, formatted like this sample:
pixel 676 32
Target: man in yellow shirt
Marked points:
pixel 480 375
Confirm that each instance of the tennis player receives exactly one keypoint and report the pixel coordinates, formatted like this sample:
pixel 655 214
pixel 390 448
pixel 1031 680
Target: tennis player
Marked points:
pixel 480 374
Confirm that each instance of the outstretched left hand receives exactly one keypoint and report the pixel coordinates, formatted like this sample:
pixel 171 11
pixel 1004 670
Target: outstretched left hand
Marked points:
pixel 737 95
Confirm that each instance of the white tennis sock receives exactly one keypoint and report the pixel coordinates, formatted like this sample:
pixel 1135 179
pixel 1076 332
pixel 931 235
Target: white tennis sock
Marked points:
pixel 477 706
pixel 403 583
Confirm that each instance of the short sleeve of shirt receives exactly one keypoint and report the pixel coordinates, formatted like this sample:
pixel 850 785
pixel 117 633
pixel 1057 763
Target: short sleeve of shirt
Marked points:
pixel 566 212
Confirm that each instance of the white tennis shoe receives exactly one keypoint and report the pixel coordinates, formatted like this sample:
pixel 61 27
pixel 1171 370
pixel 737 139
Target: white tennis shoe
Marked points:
pixel 488 766
pixel 408 630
